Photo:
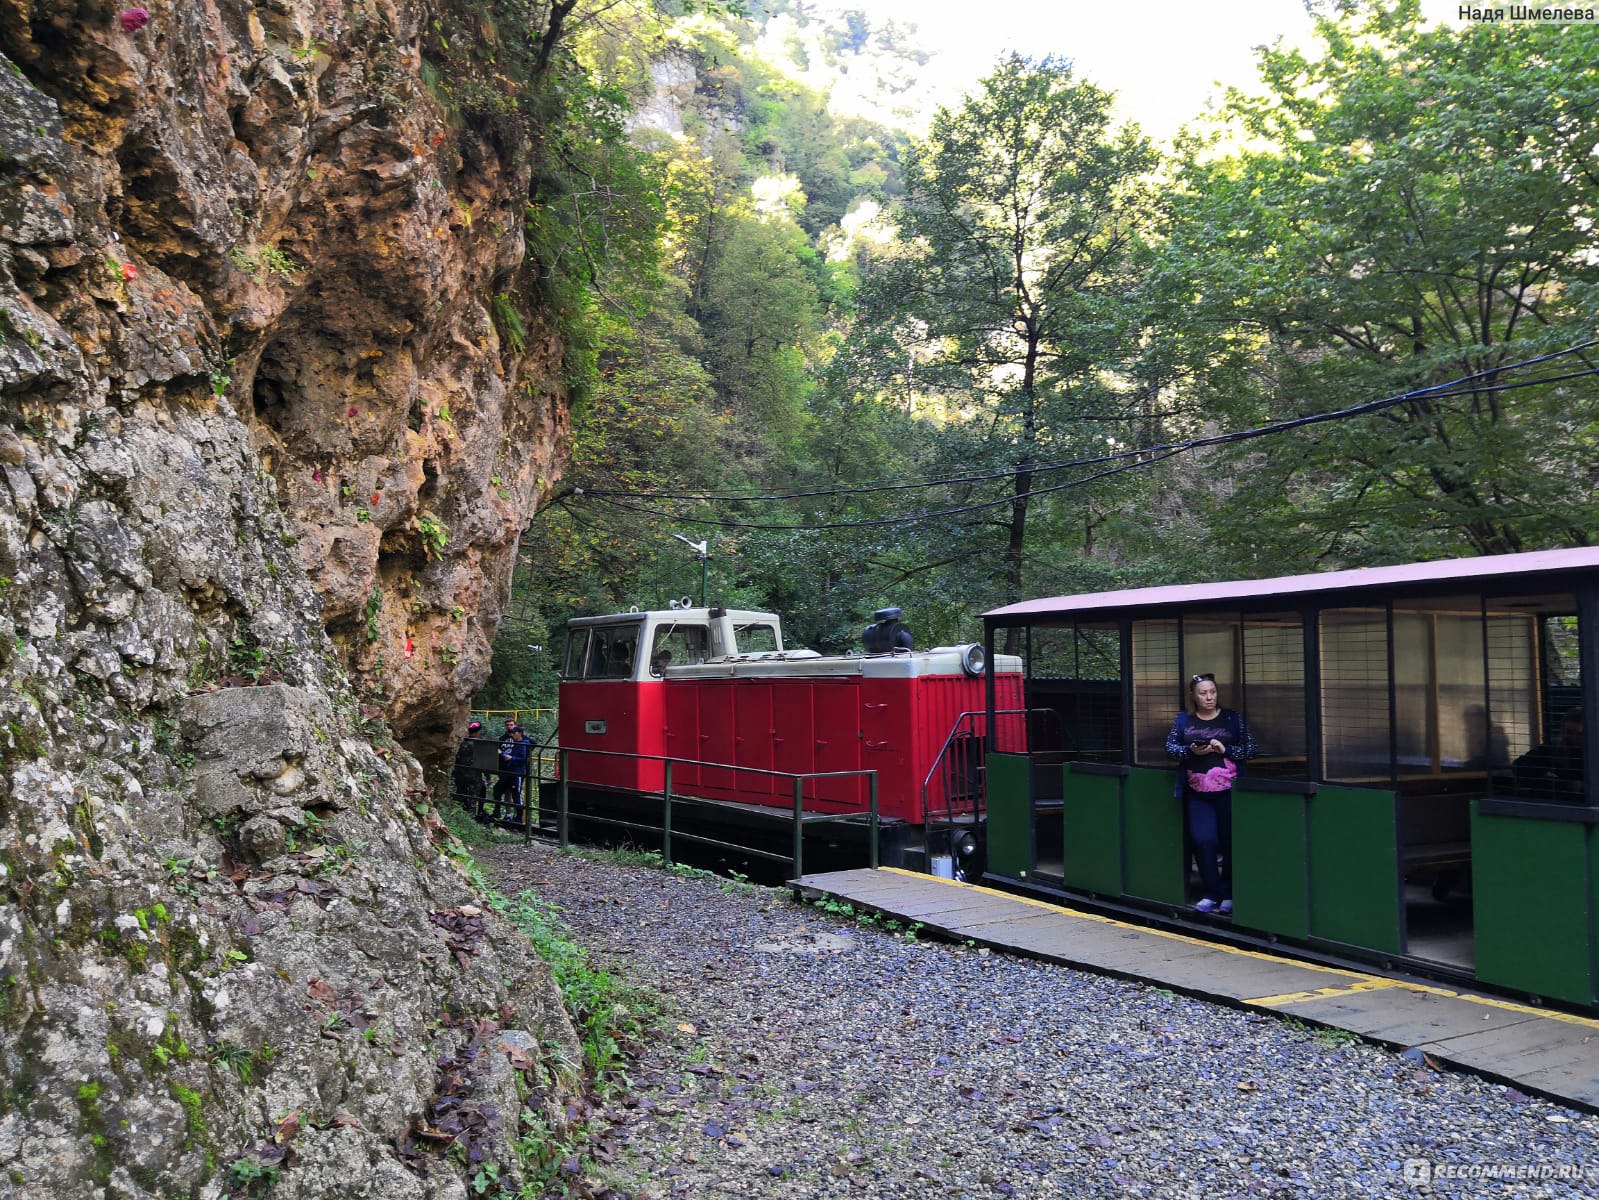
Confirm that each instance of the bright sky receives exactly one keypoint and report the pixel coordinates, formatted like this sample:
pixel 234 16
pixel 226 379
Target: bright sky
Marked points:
pixel 1162 58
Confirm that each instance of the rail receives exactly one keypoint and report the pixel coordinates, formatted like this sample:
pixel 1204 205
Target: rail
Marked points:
pixel 479 784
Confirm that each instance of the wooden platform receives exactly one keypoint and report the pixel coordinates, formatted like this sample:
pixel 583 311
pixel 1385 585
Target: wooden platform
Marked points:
pixel 1539 1051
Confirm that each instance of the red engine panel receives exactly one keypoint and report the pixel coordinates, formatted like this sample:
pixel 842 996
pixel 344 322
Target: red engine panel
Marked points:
pixel 797 724
pixel 617 716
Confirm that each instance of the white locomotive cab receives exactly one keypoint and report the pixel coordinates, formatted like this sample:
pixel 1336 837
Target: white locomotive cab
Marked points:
pixel 640 646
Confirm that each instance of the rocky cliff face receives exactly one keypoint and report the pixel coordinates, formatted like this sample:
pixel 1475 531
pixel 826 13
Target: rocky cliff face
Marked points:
pixel 264 455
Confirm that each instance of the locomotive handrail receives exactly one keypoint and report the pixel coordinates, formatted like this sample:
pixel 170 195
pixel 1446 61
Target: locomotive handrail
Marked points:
pixel 489 714
pixel 942 817
pixel 699 762
pixel 955 731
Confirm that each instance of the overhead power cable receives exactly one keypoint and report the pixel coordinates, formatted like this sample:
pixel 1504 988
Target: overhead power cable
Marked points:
pixel 1125 460
pixel 1465 385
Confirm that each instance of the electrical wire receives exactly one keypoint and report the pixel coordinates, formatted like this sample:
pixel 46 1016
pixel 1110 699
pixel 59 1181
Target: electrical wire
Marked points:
pixel 1127 460
pixel 1441 390
pixel 878 522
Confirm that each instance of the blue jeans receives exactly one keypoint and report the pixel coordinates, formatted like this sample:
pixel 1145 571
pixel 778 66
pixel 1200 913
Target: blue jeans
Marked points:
pixel 1210 834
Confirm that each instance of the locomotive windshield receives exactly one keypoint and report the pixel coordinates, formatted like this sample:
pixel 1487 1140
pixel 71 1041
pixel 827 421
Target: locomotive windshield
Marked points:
pixel 603 652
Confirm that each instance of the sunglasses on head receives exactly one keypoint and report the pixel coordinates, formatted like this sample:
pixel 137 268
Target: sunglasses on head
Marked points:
pixel 1202 679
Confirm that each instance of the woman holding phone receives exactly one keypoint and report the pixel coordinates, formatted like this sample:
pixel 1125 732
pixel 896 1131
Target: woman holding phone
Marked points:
pixel 1209 742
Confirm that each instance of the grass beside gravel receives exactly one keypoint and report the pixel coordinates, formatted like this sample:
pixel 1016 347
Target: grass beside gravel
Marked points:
pixel 605 1010
pixel 607 1013
pixel 627 855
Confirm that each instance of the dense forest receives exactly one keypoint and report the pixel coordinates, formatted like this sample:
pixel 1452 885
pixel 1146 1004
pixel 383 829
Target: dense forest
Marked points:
pixel 1012 353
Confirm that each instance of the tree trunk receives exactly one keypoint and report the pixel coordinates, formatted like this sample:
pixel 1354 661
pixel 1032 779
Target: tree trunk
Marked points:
pixel 1022 490
pixel 559 11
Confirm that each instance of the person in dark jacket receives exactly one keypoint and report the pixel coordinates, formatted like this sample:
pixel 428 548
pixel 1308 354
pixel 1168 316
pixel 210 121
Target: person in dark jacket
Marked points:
pixel 1553 771
pixel 1209 742
pixel 466 780
pixel 513 771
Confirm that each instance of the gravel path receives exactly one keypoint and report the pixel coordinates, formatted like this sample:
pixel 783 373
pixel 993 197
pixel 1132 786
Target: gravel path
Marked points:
pixel 808 1056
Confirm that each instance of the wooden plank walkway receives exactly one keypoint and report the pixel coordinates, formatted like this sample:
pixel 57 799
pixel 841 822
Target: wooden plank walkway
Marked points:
pixel 1546 1053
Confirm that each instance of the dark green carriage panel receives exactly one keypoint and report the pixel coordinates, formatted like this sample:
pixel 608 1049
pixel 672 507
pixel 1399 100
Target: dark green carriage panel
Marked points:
pixel 1010 815
pixel 1091 833
pixel 1354 868
pixel 1269 869
pixel 1154 856
pixel 1532 885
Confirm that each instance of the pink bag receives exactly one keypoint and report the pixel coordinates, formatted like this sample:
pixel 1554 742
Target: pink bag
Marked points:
pixel 1217 779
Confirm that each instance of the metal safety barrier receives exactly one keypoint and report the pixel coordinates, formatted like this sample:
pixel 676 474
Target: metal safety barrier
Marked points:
pixel 667 798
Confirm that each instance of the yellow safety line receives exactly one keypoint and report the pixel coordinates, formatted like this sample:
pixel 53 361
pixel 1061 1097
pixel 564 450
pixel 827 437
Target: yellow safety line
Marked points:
pixel 1113 922
pixel 1361 981
pixel 1327 993
pixel 1508 1005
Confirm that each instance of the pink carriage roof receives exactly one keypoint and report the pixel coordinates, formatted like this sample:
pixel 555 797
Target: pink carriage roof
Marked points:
pixel 1445 571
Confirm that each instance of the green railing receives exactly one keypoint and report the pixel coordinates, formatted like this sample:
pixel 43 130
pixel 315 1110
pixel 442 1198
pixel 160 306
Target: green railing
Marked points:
pixel 797 815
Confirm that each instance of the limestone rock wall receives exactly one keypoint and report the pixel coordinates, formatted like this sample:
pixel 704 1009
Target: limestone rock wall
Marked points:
pixel 263 456
pixel 264 209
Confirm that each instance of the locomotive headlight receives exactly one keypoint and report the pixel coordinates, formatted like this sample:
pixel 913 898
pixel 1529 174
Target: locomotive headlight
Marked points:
pixel 965 845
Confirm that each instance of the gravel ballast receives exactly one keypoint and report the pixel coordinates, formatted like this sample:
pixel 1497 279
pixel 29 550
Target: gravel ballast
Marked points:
pixel 806 1055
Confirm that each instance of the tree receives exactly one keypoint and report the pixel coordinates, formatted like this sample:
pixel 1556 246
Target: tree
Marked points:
pixel 762 313
pixel 1413 206
pixel 1009 294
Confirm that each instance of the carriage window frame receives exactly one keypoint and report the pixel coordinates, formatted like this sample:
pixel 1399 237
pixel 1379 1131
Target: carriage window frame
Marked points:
pixel 1271 654
pixel 1448 686
pixel 1559 684
pixel 1080 665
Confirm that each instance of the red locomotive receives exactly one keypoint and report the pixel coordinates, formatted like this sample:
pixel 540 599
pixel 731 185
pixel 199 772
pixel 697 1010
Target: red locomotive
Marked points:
pixel 739 716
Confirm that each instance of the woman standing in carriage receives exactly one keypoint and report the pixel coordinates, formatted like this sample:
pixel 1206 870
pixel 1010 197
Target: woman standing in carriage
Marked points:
pixel 1209 742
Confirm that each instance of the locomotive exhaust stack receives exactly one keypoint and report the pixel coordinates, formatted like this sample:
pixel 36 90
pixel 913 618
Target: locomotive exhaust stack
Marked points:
pixel 887 633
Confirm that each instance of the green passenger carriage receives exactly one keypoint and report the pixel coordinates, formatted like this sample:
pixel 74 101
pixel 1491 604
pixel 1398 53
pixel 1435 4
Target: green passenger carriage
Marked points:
pixel 1426 791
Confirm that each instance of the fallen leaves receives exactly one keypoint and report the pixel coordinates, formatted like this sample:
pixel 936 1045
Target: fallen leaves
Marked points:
pixel 464 929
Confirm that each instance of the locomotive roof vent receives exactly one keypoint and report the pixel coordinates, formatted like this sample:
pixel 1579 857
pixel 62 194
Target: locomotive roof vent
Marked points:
pixel 886 633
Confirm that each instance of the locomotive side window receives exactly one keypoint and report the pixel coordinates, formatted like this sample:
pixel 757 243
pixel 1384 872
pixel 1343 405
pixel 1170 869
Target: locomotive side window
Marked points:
pixel 756 638
pixel 577 647
pixel 678 644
